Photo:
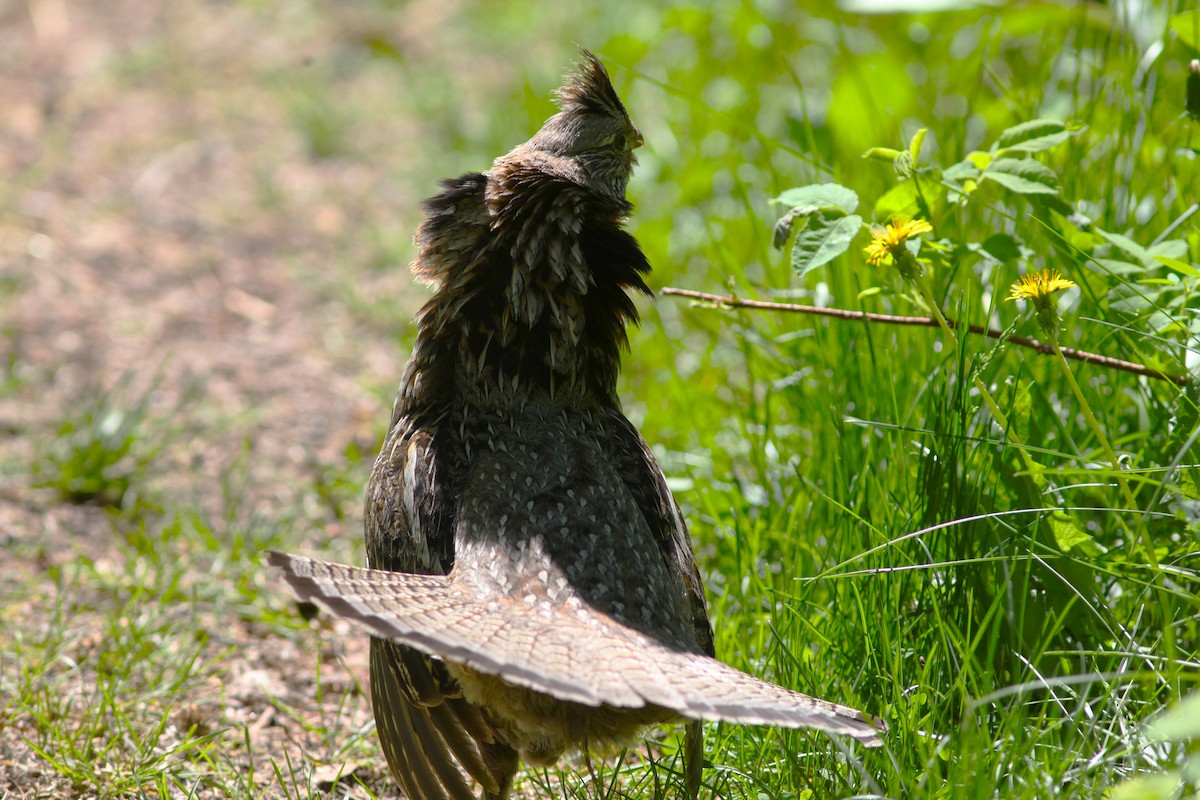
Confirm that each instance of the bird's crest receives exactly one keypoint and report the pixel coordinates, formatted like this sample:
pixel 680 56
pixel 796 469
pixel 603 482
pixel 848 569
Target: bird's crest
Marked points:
pixel 589 90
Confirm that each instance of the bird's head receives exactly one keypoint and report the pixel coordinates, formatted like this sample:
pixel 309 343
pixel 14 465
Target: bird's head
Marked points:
pixel 591 131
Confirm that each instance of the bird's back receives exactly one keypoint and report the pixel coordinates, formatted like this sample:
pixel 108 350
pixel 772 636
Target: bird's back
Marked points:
pixel 545 516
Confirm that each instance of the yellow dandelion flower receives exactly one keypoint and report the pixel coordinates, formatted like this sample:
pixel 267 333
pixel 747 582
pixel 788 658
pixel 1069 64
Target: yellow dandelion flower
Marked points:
pixel 890 239
pixel 1039 286
pixel 877 251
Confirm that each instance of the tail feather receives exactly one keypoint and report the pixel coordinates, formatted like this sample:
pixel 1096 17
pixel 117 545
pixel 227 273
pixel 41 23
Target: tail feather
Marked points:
pixel 582 655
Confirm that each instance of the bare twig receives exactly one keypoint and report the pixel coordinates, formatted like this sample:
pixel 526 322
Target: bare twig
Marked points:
pixel 929 322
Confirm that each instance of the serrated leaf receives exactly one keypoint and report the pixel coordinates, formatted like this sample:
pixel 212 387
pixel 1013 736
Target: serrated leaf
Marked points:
pixel 820 195
pixel 1023 176
pixel 822 241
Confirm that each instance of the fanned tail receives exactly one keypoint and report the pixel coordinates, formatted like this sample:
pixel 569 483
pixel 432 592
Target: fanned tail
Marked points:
pixel 582 656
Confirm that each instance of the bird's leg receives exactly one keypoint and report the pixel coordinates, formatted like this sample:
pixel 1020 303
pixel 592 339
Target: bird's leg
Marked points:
pixel 587 760
pixel 502 762
pixel 693 758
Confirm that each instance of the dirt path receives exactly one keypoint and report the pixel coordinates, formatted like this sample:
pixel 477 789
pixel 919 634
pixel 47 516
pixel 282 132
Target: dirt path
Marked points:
pixel 177 211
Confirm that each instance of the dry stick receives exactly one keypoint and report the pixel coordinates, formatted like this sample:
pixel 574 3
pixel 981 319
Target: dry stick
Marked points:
pixel 929 322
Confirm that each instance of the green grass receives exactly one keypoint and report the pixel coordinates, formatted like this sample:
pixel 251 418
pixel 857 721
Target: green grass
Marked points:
pixel 868 532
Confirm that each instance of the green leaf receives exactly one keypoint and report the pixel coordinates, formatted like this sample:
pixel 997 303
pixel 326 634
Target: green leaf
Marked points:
pixel 899 201
pixel 1179 266
pixel 962 171
pixel 1036 473
pixel 881 154
pixel 1033 136
pixel 1111 266
pixel 1023 176
pixel 822 241
pixel 1002 247
pixel 1180 722
pixel 1053 203
pixel 1020 414
pixel 1127 245
pixel 819 195
pixel 1163 786
pixel 979 159
pixel 1161 324
pixel 1128 303
pixel 1038 145
pixel 1074 235
pixel 1027 131
pixel 1171 248
pixel 1066 533
pixel 914 146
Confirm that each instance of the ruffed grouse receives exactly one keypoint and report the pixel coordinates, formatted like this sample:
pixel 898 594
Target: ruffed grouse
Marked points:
pixel 532 586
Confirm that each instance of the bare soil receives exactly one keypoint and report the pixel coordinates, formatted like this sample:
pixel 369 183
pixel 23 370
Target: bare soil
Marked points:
pixel 164 218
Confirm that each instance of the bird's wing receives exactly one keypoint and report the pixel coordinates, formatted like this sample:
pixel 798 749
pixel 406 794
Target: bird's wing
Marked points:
pixel 434 749
pixel 435 741
pixel 642 476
